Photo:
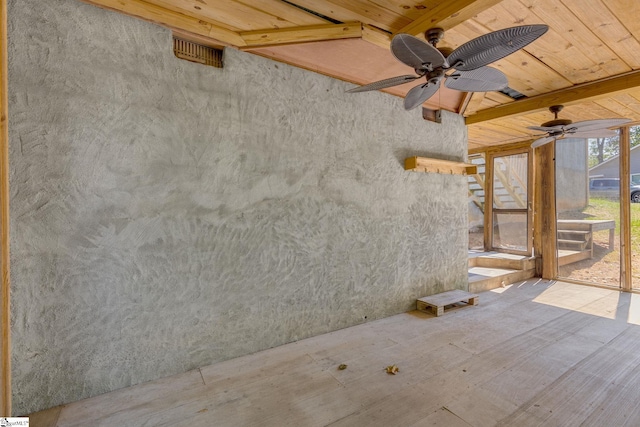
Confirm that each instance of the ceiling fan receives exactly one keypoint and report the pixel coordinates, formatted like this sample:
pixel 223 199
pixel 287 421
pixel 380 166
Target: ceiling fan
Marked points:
pixel 463 69
pixel 563 128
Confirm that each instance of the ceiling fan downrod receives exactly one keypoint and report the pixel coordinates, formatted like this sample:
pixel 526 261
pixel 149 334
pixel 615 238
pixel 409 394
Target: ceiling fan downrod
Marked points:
pixel 434 35
pixel 555 109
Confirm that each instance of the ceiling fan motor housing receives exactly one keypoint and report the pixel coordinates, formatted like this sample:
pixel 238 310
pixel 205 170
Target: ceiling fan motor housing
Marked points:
pixel 434 76
pixel 557 122
pixel 434 35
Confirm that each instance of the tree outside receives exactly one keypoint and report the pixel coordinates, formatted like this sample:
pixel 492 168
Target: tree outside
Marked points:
pixel 602 149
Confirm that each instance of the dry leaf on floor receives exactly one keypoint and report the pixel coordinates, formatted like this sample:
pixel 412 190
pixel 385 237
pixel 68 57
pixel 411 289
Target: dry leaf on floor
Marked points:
pixel 392 369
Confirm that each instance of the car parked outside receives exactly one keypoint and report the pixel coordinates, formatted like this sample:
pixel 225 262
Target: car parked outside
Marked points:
pixel 635 193
pixel 610 188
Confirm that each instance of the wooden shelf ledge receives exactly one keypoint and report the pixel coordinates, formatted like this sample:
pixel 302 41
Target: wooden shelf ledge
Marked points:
pixel 425 164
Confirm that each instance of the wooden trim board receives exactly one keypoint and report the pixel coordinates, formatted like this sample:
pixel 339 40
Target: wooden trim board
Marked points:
pixel 5 327
pixel 302 34
pixel 626 280
pixel 168 18
pixel 424 164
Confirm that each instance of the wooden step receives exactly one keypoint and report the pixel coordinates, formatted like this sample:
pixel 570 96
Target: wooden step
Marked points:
pixel 574 234
pixel 438 302
pixel 566 257
pixel 577 245
pixel 481 280
pixel 513 262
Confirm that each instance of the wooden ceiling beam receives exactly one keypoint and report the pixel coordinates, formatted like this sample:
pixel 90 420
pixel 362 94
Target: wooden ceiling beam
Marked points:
pixel 464 102
pixel 375 36
pixel 293 35
pixel 168 18
pixel 572 95
pixel 447 15
pixel 303 34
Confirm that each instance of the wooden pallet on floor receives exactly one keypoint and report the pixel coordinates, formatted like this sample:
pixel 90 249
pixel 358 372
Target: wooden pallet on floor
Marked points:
pixel 438 302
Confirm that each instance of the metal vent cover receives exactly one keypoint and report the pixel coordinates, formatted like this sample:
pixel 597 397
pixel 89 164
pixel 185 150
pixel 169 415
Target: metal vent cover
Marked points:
pixel 195 52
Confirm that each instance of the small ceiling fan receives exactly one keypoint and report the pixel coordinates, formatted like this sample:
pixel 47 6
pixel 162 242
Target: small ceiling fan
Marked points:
pixel 563 128
pixel 463 68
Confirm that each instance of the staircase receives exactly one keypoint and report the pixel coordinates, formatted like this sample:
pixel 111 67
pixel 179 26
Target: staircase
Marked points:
pixel 509 186
pixel 574 240
pixel 476 182
pixel 490 270
pixel 573 244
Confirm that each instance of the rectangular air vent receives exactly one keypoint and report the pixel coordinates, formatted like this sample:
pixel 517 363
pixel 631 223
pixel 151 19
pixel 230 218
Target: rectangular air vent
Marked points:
pixel 512 93
pixel 195 52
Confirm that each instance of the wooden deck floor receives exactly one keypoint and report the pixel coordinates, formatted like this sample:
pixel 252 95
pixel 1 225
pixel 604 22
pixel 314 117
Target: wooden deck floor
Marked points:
pixel 536 353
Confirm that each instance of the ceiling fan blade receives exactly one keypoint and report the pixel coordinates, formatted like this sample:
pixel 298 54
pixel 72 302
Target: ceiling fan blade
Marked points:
pixel 483 79
pixel 415 53
pixel 600 133
pixel 588 125
pixel 491 47
pixel 419 94
pixel 393 81
pixel 545 128
pixel 542 141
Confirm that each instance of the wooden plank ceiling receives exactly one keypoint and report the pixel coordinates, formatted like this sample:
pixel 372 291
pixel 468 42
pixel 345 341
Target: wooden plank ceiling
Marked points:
pixel 588 60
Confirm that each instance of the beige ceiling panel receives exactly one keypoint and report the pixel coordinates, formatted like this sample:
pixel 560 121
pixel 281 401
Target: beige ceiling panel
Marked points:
pixel 628 12
pixel 357 10
pixel 577 33
pixel 553 49
pixel 607 27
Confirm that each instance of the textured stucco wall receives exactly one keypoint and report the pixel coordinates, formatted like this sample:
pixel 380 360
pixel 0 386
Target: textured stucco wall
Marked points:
pixel 167 215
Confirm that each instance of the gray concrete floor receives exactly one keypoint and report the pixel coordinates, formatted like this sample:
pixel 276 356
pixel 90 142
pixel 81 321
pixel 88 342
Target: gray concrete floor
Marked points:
pixel 536 353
